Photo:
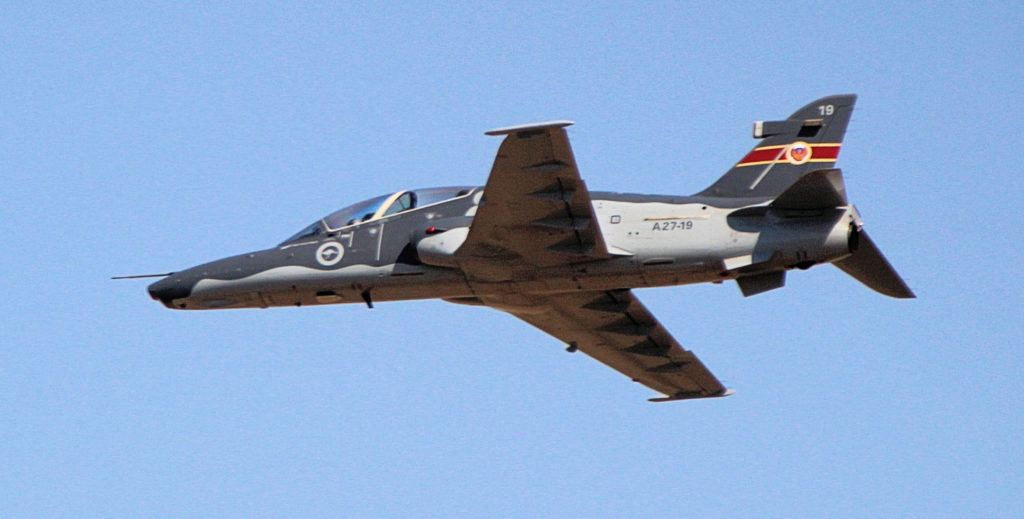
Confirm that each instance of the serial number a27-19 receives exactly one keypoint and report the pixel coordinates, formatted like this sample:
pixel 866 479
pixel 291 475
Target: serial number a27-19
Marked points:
pixel 673 225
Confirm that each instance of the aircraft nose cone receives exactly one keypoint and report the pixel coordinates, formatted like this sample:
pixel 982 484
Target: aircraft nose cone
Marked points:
pixel 168 289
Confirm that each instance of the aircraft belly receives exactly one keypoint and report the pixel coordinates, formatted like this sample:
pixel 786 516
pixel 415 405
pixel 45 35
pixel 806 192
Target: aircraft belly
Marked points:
pixel 608 275
pixel 677 273
pixel 296 285
pixel 435 283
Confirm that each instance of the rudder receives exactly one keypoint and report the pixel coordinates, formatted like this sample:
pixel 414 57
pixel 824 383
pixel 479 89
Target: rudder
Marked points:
pixel 808 140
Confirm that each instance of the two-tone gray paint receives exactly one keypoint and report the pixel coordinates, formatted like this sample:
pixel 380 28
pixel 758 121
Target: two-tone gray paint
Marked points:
pixel 534 236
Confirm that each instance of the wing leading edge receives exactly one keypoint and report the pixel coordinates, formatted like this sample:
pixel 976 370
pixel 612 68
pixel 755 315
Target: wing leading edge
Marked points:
pixel 615 328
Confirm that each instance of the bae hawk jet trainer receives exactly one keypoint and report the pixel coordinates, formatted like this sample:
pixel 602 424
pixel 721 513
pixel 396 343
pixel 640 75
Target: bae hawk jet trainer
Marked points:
pixel 535 243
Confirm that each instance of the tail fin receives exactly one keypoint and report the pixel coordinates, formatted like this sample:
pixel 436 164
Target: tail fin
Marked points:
pixel 808 140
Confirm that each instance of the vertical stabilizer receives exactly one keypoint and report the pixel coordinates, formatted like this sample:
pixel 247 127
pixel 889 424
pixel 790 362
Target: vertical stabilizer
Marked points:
pixel 808 140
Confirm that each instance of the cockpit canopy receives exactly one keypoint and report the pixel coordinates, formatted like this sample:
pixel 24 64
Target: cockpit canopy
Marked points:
pixel 379 207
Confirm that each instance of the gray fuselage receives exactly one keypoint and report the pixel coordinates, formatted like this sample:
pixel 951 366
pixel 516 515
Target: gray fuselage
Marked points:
pixel 410 253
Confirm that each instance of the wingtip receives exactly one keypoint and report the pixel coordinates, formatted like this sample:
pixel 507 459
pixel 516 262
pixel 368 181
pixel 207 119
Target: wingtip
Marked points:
pixel 691 396
pixel 529 127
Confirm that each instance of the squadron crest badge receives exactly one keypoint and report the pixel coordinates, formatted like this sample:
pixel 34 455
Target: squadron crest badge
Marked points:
pixel 798 153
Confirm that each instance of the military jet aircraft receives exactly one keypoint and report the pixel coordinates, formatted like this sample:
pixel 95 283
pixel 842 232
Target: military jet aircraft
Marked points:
pixel 535 243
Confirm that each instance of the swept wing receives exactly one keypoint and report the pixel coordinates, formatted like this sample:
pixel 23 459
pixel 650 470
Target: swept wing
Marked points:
pixel 615 328
pixel 535 210
pixel 536 213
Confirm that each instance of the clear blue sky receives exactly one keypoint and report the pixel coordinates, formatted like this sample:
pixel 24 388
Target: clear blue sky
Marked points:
pixel 148 138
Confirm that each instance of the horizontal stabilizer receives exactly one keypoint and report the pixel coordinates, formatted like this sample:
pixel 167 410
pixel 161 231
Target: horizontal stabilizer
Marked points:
pixel 869 266
pixel 819 189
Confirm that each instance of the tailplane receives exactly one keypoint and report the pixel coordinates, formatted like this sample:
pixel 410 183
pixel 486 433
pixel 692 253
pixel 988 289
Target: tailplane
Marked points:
pixel 808 140
pixel 869 266
pixel 824 189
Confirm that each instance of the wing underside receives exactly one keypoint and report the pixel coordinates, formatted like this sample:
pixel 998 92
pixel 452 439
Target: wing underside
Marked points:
pixel 616 329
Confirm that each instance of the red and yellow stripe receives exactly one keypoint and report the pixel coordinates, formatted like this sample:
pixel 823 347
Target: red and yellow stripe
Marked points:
pixel 822 152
